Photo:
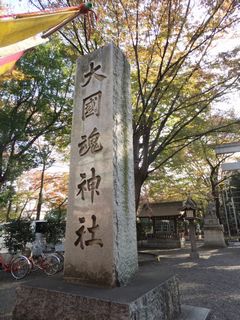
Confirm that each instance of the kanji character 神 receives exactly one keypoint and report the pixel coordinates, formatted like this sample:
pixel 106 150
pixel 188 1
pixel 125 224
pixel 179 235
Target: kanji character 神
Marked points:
pixel 90 184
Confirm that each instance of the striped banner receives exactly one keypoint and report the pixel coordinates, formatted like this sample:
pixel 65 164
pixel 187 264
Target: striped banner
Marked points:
pixel 7 63
pixel 22 45
pixel 21 32
pixel 16 28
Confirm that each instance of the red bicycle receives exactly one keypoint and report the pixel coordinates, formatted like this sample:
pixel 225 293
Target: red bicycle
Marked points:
pixel 49 263
pixel 18 266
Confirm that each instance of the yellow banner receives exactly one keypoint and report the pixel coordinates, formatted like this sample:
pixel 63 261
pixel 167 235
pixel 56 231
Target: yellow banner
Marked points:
pixel 7 67
pixel 7 63
pixel 22 45
pixel 13 30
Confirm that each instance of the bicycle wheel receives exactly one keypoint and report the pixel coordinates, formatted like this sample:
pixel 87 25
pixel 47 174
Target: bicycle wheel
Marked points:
pixel 20 267
pixel 34 265
pixel 51 264
pixel 61 258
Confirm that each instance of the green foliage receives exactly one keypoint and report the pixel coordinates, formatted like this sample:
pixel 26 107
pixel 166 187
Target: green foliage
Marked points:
pixel 37 106
pixel 17 234
pixel 56 225
pixel 5 196
pixel 194 170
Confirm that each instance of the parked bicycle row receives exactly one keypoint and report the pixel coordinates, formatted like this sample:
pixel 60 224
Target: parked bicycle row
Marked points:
pixel 20 266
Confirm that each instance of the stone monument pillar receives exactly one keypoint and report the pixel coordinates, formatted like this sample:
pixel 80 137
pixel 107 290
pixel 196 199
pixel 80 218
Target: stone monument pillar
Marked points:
pixel 213 231
pixel 100 245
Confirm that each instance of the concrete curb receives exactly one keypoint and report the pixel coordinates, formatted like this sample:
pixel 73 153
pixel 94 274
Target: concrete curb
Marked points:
pixel 152 256
pixel 194 313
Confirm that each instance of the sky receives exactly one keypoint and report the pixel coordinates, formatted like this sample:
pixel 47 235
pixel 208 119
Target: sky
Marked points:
pixel 16 6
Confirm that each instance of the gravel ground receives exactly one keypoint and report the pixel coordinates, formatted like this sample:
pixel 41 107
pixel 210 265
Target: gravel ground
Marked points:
pixel 213 281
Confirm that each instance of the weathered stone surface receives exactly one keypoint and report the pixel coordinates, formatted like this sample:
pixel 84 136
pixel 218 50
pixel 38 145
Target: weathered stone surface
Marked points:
pixel 100 244
pixel 66 302
pixel 213 237
pixel 213 233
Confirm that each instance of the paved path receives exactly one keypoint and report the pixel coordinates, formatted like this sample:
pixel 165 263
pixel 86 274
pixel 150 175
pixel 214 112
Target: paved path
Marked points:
pixel 213 281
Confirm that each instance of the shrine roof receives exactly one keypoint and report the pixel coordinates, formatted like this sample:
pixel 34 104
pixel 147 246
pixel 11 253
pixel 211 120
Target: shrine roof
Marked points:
pixel 161 209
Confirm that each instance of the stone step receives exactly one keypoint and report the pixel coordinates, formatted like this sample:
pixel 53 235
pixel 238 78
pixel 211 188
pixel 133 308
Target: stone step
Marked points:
pixel 194 313
pixel 188 313
pixel 6 317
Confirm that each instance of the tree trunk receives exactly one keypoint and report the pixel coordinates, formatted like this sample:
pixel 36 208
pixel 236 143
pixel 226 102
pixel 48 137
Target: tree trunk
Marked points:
pixel 22 209
pixel 40 198
pixel 217 203
pixel 215 192
pixel 9 210
pixel 139 180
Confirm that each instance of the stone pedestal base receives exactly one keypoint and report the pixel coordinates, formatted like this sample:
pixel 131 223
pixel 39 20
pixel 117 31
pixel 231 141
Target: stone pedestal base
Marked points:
pixel 213 237
pixel 150 296
pixel 213 233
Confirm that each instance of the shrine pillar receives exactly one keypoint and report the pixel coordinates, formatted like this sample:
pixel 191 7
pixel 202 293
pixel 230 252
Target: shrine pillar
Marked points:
pixel 100 245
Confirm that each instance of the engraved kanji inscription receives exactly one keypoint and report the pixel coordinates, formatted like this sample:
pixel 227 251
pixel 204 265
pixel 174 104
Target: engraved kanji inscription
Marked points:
pixel 92 230
pixel 92 73
pixel 82 186
pixel 89 185
pixel 83 146
pixel 93 184
pixel 80 233
pixel 91 105
pixel 91 143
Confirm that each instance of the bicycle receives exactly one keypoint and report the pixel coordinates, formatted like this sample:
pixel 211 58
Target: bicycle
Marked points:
pixel 49 264
pixel 19 266
pixel 61 258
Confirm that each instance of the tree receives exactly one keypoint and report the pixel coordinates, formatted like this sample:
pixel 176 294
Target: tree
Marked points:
pixel 206 167
pixel 196 169
pixel 175 75
pixel 55 189
pixel 37 106
pixel 28 188
pixel 46 162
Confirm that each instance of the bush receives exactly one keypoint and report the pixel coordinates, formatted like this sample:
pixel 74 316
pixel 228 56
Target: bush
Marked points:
pixel 16 235
pixel 56 226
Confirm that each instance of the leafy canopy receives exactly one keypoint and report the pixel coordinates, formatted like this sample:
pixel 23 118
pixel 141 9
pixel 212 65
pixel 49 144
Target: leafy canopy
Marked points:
pixel 176 76
pixel 37 106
